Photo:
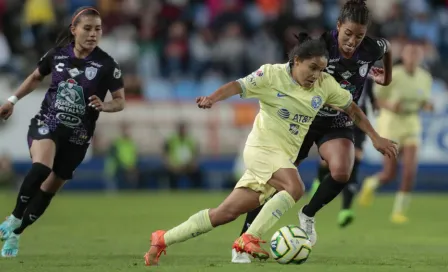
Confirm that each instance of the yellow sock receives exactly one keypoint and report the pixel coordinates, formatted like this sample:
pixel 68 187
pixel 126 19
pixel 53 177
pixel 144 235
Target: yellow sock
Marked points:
pixel 401 204
pixel 372 182
pixel 196 225
pixel 271 213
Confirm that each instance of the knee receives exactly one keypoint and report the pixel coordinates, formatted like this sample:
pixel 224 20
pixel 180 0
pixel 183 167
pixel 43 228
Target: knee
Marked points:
pixel 340 173
pixel 296 191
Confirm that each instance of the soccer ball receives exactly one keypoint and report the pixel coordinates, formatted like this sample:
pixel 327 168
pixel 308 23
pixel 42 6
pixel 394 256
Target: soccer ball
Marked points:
pixel 290 244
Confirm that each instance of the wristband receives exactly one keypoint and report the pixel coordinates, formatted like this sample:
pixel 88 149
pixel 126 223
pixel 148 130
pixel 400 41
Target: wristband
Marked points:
pixel 13 99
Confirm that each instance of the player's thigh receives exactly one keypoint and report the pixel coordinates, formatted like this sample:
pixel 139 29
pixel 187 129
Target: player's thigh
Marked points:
pixel 288 179
pixel 42 143
pixel 337 148
pixel 52 184
pixel 68 157
pixel 409 155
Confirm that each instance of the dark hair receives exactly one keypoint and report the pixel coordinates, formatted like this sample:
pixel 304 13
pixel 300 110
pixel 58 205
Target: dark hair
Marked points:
pixel 66 36
pixel 355 11
pixel 307 48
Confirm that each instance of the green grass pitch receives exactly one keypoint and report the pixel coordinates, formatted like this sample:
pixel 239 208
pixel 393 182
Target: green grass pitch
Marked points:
pixel 101 232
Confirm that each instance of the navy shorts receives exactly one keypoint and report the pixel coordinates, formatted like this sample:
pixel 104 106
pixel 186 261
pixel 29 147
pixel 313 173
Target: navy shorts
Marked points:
pixel 320 136
pixel 68 155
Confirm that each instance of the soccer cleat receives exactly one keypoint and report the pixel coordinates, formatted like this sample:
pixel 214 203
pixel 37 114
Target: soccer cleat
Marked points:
pixel 158 247
pixel 240 257
pixel 314 186
pixel 8 226
pixel 367 193
pixel 307 224
pixel 11 247
pixel 345 218
pixel 399 218
pixel 251 245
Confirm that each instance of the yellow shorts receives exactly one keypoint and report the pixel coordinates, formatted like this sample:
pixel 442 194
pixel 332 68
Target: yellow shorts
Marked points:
pixel 260 164
pixel 405 130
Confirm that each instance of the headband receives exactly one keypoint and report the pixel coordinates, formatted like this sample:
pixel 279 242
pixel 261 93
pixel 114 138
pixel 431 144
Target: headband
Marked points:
pixel 81 11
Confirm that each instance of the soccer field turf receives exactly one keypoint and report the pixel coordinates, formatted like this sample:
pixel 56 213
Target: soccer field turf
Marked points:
pixel 96 232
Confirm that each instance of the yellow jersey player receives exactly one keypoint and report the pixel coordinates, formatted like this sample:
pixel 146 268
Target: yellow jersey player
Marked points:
pixel 399 120
pixel 290 96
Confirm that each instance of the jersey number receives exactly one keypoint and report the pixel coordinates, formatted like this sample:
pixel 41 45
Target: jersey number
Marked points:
pixel 330 69
pixel 59 67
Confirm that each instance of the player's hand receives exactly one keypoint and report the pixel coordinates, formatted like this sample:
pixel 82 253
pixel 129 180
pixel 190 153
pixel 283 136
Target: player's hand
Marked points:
pixel 96 103
pixel 204 102
pixel 386 147
pixel 377 74
pixel 6 110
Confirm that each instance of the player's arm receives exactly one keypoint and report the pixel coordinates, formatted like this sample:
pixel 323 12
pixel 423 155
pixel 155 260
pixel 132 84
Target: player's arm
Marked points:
pixel 33 80
pixel 427 104
pixel 386 55
pixel 116 88
pixel 251 86
pixel 340 98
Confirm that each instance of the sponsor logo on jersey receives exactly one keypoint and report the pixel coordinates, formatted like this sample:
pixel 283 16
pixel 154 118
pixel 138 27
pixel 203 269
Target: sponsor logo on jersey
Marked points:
pixel 61 57
pixel 70 102
pixel 74 72
pixel 281 95
pixel 333 60
pixel 348 86
pixel 117 73
pixel 347 75
pixel 97 65
pixel 283 113
pixel 43 130
pixel 362 62
pixel 259 73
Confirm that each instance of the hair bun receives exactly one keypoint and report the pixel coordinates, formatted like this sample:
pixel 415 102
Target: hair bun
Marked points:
pixel 302 37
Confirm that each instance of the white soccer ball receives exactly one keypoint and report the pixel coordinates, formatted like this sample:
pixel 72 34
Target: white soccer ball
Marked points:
pixel 290 245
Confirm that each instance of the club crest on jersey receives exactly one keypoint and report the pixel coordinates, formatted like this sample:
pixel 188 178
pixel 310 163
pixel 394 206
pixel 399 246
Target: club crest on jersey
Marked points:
pixel 91 72
pixel 316 102
pixel 43 130
pixel 363 70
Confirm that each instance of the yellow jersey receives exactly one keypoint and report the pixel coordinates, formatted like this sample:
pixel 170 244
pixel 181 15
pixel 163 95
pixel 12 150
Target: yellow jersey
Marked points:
pixel 287 109
pixel 410 90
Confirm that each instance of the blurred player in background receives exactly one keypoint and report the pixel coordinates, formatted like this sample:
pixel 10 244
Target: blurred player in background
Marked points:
pixel 290 96
pixel 352 56
pixel 400 104
pixel 59 135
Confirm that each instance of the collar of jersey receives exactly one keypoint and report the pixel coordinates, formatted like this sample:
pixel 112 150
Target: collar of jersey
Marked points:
pixel 288 70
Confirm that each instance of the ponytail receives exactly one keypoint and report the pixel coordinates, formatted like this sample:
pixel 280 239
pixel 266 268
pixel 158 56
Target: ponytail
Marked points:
pixel 65 37
pixel 302 37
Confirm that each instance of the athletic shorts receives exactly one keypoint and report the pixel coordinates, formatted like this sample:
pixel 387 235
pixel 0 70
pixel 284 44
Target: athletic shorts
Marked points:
pixel 320 136
pixel 360 137
pixel 261 163
pixel 68 155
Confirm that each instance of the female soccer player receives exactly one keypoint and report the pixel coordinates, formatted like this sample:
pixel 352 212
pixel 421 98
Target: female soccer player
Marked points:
pixel 400 103
pixel 352 56
pixel 59 135
pixel 290 96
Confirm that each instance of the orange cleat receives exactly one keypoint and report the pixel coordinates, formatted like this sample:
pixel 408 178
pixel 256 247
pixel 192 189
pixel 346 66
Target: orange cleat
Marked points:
pixel 251 245
pixel 158 247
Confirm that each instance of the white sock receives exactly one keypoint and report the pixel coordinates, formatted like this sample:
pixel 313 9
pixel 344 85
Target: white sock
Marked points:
pixel 401 204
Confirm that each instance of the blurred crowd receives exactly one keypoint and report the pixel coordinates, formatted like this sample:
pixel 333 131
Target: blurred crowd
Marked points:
pixel 182 48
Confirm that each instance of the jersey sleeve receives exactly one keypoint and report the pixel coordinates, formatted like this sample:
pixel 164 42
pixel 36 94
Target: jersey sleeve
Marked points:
pixel 114 78
pixel 336 95
pixel 381 47
pixel 256 84
pixel 45 63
